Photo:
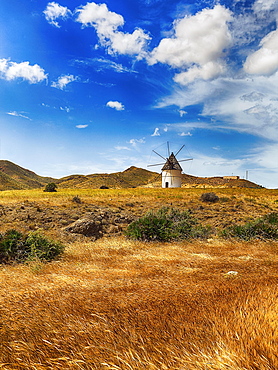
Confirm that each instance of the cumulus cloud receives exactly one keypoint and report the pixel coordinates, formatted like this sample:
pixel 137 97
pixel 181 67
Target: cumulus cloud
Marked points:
pixel 265 60
pixel 197 46
pixel 106 24
pixel 115 104
pixel 54 11
pixel 63 81
pixel 31 73
pixel 207 71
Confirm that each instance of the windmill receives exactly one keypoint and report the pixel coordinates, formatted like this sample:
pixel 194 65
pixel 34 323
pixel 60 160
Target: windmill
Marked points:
pixel 171 170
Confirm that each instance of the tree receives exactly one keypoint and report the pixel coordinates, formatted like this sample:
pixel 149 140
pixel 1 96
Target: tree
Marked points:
pixel 51 187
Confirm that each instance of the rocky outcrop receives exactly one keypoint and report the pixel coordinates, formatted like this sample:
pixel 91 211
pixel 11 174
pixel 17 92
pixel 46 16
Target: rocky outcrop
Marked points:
pixel 96 225
pixel 86 227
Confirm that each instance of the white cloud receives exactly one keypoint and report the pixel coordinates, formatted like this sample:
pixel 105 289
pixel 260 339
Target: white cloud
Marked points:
pixel 207 71
pixel 265 5
pixel 102 64
pixel 197 46
pixel 115 105
pixel 17 114
pixel 156 132
pixel 129 43
pixel 254 96
pixel 243 104
pixel 265 60
pixel 135 142
pixel 54 11
pixel 185 134
pixel 63 81
pixel 122 148
pixel 31 73
pixel 106 24
pixel 81 126
pixel 206 166
pixel 66 109
pixel 182 112
pixel 98 16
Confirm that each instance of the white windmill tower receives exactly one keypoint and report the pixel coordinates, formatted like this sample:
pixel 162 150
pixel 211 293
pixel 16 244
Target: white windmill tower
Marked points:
pixel 171 170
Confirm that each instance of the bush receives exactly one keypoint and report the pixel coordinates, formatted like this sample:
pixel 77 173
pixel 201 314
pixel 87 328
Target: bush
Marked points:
pixel 166 224
pixel 209 197
pixel 51 187
pixel 42 248
pixel 261 228
pixel 16 247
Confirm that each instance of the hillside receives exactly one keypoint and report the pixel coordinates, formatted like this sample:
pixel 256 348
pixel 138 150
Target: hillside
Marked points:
pixel 13 177
pixel 130 178
pixel 193 181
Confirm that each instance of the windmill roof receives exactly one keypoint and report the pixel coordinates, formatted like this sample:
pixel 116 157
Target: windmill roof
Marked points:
pixel 172 164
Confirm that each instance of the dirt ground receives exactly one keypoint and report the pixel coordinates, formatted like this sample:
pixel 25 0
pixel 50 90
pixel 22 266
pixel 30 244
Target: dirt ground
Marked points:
pixel 113 217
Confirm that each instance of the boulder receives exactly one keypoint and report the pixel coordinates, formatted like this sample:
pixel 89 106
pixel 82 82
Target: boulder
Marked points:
pixel 87 227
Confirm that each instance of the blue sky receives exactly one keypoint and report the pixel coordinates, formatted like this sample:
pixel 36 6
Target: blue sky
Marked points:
pixel 94 87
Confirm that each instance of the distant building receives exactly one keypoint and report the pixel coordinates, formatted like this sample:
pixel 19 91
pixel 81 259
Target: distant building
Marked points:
pixel 230 177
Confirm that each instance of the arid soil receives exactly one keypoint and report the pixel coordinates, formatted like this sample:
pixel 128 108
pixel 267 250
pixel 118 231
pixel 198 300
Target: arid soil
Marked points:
pixel 111 218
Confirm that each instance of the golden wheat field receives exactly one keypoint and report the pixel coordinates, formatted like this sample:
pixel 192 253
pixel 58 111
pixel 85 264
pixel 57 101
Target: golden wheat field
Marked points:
pixel 121 304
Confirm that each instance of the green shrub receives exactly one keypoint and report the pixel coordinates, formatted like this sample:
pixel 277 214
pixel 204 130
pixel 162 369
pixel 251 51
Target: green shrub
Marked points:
pixel 16 247
pixel 42 248
pixel 51 187
pixel 166 224
pixel 12 247
pixel 265 227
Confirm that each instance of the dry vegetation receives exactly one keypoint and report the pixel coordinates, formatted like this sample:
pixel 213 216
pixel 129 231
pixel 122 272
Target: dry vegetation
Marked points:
pixel 120 304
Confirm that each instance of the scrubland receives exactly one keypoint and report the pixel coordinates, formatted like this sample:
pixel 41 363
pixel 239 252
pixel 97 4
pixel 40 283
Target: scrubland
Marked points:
pixel 116 304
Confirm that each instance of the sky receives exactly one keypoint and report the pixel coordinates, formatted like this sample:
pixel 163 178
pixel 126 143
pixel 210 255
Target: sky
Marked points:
pixel 95 87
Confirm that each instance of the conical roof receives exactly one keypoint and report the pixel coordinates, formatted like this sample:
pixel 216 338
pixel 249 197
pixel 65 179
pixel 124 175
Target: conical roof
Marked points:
pixel 172 164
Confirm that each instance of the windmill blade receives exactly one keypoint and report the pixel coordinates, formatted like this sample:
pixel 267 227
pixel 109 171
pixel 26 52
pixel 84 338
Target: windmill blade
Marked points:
pixel 168 148
pixel 159 155
pixel 158 164
pixel 179 150
pixel 157 177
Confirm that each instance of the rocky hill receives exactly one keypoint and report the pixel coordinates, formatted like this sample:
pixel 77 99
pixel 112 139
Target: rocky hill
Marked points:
pixel 14 177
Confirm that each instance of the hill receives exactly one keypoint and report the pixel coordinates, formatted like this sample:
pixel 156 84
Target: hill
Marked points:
pixel 13 177
pixel 130 178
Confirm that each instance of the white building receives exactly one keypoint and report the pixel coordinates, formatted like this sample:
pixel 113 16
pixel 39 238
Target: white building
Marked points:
pixel 171 173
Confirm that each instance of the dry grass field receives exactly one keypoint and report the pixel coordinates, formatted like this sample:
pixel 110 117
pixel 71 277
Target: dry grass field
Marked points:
pixel 120 304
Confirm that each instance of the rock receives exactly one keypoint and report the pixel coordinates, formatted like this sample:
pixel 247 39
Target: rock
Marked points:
pixel 86 227
pixel 231 273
